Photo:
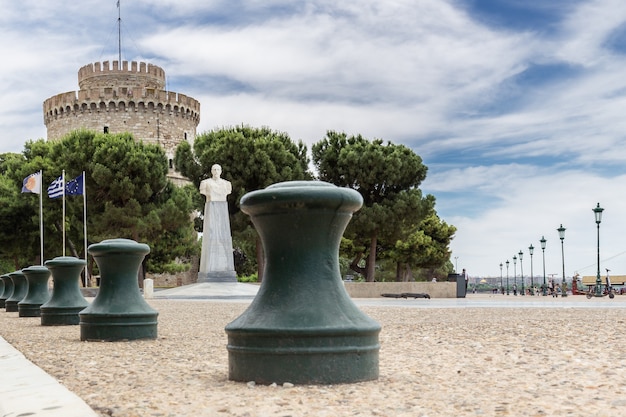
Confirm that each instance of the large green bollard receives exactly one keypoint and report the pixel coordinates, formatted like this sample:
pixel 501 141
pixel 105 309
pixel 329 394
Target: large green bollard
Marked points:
pixel 6 288
pixel 37 292
pixel 20 286
pixel 302 327
pixel 118 312
pixel 66 301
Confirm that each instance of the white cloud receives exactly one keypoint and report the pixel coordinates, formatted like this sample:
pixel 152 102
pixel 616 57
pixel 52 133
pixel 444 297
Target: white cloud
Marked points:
pixel 428 74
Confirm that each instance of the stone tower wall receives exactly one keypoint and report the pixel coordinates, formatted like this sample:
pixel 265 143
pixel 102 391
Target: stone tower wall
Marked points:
pixel 127 99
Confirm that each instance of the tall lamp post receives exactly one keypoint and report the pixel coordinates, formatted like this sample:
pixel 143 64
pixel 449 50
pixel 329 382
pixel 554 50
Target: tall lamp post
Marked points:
pixel 514 275
pixel 501 286
pixel 561 231
pixel 507 277
pixel 543 250
pixel 521 271
pixel 598 214
pixel 532 283
pixel 456 265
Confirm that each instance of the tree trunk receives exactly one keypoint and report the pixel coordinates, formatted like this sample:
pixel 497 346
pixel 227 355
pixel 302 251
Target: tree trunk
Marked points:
pixel 355 265
pixel 408 275
pixel 403 272
pixel 72 248
pixel 260 259
pixel 371 259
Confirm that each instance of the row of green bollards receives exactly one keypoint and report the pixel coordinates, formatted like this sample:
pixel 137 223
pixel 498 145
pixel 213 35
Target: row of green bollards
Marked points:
pixel 118 311
pixel 302 327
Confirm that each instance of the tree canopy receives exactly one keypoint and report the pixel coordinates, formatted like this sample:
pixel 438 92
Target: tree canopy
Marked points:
pixel 128 195
pixel 387 176
pixel 251 159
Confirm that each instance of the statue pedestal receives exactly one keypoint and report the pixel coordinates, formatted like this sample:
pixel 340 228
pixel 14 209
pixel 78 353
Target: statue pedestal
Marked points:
pixel 302 327
pixel 216 260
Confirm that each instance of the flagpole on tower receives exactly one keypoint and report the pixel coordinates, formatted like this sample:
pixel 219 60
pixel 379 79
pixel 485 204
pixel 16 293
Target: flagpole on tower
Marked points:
pixel 119 33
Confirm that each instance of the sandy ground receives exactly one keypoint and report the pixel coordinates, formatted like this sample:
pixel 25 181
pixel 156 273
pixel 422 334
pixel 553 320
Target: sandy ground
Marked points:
pixel 433 362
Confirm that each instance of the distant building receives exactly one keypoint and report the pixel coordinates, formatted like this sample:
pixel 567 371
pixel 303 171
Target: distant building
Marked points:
pixel 127 98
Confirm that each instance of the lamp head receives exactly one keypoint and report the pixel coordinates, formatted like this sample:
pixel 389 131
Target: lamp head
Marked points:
pixel 561 231
pixel 531 248
pixel 598 213
pixel 543 242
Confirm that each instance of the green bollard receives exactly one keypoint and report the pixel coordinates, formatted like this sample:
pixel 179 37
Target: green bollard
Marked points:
pixel 37 292
pixel 6 289
pixel 20 286
pixel 118 312
pixel 302 327
pixel 66 301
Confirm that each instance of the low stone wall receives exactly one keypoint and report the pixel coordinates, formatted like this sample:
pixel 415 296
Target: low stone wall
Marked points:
pixel 177 279
pixel 375 289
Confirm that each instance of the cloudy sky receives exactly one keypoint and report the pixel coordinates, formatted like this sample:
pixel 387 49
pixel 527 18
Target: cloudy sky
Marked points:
pixel 518 107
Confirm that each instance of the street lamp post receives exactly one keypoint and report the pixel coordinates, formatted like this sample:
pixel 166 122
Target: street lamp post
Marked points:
pixel 561 231
pixel 521 271
pixel 514 275
pixel 598 214
pixel 507 277
pixel 543 250
pixel 501 286
pixel 456 264
pixel 532 283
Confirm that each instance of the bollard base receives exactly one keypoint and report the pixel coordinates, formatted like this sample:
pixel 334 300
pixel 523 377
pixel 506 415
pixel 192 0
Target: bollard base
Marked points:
pixel 11 306
pixel 111 328
pixel 29 310
pixel 60 316
pixel 303 359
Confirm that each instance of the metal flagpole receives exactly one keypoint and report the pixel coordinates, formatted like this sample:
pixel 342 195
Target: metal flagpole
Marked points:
pixel 41 214
pixel 85 228
pixel 63 220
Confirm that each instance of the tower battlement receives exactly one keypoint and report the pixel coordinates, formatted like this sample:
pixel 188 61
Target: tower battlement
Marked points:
pixel 106 74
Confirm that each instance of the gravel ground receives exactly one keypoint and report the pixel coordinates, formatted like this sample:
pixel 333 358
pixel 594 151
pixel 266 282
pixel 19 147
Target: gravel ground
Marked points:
pixel 433 362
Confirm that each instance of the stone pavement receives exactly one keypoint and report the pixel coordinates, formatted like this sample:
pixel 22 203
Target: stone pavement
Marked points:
pixel 25 389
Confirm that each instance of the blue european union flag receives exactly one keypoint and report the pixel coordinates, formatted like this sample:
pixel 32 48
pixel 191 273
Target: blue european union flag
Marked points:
pixel 75 186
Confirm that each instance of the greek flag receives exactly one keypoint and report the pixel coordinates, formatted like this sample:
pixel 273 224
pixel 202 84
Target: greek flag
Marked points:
pixel 55 190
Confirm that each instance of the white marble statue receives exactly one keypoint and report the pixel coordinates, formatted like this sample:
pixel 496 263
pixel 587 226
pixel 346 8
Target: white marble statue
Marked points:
pixel 216 259
pixel 215 188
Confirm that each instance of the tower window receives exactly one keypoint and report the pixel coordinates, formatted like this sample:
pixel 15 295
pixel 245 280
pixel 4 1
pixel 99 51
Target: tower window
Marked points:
pixel 171 163
pixel 106 129
pixel 185 135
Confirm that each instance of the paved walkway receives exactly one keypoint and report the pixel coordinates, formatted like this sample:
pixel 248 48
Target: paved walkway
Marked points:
pixel 210 291
pixel 26 390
